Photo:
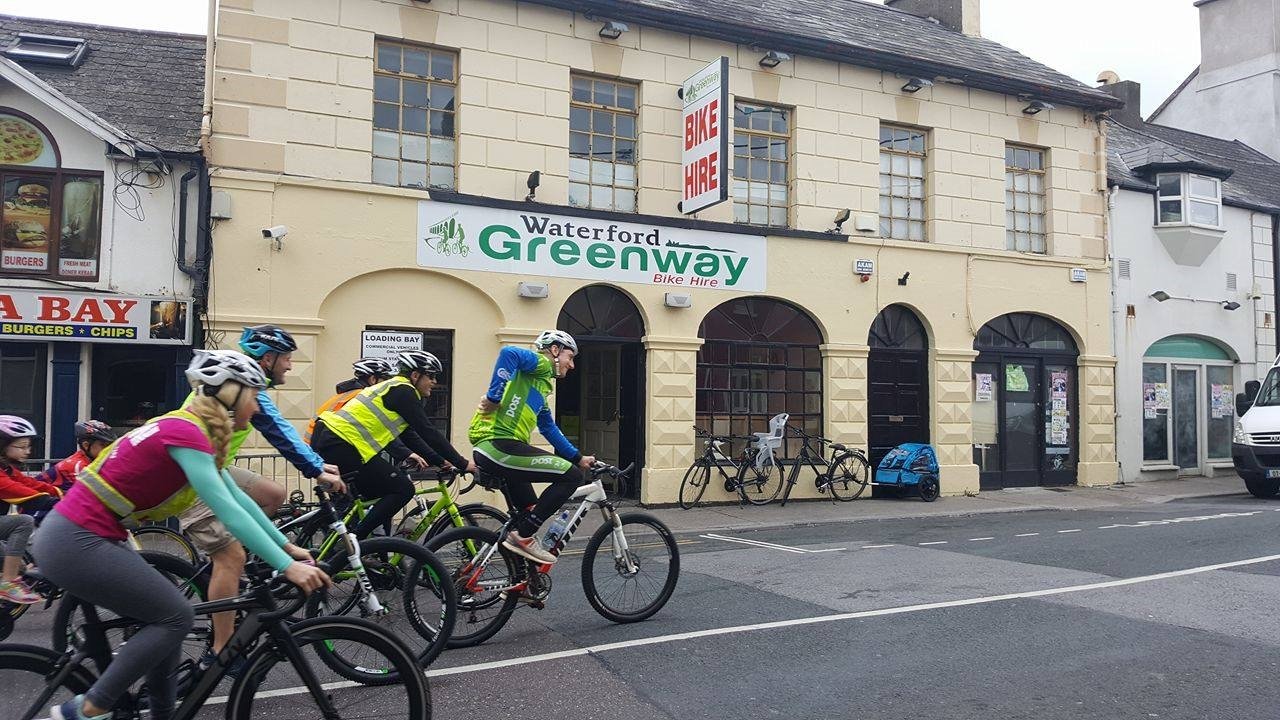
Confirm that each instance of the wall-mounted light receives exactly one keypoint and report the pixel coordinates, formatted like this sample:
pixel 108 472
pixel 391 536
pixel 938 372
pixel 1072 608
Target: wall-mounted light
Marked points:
pixel 773 58
pixel 533 290
pixel 1036 106
pixel 678 300
pixel 535 179
pixel 842 217
pixel 915 84
pixel 903 280
pixel 1230 305
pixel 613 30
pixel 1160 296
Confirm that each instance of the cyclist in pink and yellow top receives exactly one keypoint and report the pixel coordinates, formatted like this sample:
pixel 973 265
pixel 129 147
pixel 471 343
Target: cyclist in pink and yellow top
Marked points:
pixel 155 472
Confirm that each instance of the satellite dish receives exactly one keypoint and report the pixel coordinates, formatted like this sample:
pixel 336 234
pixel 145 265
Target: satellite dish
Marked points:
pixel 1108 77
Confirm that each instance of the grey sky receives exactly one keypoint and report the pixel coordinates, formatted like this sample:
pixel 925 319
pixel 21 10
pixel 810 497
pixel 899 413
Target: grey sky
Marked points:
pixel 1155 42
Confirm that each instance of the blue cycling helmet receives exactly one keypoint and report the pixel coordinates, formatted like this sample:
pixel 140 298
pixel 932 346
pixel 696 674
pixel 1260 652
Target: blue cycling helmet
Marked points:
pixel 259 340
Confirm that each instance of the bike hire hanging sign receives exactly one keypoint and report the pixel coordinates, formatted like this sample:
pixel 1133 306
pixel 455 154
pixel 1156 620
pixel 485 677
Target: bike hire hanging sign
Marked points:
pixel 466 237
pixel 81 317
pixel 704 165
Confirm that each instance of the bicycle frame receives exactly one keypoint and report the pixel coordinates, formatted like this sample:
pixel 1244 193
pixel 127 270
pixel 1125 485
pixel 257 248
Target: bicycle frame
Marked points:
pixel 97 649
pixel 338 532
pixel 808 457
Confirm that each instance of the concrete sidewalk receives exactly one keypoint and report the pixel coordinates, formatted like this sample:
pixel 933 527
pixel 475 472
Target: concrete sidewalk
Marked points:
pixel 811 512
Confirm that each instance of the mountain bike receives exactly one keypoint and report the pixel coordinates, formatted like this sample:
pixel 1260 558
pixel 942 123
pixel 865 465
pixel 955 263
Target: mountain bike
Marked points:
pixel 641 563
pixel 753 476
pixel 277 678
pixel 424 521
pixel 398 583
pixel 846 474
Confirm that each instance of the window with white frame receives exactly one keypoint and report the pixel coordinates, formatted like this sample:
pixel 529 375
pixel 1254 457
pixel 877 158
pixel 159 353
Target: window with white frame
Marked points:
pixel 1024 180
pixel 901 183
pixel 1188 199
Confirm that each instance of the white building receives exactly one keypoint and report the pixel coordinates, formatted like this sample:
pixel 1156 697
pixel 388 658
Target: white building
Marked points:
pixel 101 181
pixel 1191 227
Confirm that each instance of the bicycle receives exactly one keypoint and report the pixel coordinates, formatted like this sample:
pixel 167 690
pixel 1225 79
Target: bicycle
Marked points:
pixel 753 471
pixel 491 580
pixel 846 474
pixel 444 513
pixel 386 578
pixel 276 673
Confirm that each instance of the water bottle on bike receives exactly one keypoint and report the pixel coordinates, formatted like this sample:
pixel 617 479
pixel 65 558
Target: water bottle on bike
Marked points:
pixel 557 528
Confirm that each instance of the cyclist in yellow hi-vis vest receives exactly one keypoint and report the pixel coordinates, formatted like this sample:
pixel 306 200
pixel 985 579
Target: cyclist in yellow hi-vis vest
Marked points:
pixel 354 436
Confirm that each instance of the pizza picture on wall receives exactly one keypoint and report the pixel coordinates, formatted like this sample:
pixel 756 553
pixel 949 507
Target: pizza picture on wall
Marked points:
pixel 20 142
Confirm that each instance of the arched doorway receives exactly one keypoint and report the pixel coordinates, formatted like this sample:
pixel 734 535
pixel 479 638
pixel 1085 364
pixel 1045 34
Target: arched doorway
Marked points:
pixel 897 381
pixel 1024 403
pixel 759 357
pixel 601 405
pixel 1188 404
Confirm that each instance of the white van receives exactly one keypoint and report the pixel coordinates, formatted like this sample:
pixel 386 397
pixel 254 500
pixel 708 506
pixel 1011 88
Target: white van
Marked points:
pixel 1255 445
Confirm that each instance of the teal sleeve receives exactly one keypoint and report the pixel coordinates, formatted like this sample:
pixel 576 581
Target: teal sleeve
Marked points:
pixel 254 510
pixel 214 491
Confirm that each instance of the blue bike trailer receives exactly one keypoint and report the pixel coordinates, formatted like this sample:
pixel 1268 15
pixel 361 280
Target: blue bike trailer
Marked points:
pixel 910 466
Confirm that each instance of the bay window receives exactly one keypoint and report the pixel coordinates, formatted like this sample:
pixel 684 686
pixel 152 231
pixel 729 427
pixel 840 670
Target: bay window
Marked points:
pixel 1188 199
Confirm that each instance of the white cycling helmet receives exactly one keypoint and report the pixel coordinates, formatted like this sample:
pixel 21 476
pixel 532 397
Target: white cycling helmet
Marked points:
pixel 556 337
pixel 212 368
pixel 13 427
pixel 419 360
pixel 373 367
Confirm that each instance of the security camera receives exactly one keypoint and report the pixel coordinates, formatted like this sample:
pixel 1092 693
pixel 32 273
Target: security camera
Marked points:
pixel 275 232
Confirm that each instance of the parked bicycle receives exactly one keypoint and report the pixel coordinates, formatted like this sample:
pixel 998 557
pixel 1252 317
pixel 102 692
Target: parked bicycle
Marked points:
pixel 628 582
pixel 845 474
pixel 756 474
pixel 277 677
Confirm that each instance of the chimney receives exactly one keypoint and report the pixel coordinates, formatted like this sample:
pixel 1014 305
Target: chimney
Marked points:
pixel 1128 91
pixel 963 16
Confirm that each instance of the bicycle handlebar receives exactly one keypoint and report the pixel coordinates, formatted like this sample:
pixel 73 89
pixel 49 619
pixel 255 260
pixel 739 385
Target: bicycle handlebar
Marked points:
pixel 600 468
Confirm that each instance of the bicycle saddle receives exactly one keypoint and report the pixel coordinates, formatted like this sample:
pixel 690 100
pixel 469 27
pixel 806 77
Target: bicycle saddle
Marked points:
pixel 838 446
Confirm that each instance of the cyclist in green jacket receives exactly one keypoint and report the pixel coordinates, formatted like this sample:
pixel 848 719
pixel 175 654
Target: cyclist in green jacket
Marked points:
pixel 515 403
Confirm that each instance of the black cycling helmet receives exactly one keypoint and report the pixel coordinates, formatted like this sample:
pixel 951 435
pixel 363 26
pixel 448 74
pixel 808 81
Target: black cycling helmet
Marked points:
pixel 419 360
pixel 90 430
pixel 373 367
pixel 258 340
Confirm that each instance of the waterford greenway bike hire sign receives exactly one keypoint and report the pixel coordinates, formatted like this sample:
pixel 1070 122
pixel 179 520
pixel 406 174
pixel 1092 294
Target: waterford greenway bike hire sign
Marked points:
pixel 464 237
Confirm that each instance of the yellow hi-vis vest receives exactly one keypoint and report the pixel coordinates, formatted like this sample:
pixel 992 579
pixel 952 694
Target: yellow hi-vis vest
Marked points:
pixel 120 505
pixel 364 422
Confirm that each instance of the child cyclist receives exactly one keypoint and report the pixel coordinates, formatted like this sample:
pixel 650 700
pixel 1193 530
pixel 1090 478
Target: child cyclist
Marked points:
pixel 92 437
pixel 30 494
pixel 155 472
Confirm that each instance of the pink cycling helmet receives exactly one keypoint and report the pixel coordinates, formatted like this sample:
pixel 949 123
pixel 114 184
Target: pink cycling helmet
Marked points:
pixel 13 427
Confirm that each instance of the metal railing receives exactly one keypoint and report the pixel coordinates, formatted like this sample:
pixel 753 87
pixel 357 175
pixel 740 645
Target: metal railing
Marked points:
pixel 268 465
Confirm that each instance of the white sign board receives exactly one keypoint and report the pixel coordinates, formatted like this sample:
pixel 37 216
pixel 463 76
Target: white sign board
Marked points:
pixel 704 158
pixel 1079 275
pixel 864 267
pixel 485 239
pixel 386 344
pixel 45 315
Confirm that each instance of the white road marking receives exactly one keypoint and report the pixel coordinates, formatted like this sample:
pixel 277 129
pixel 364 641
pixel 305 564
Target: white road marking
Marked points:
pixel 756 543
pixel 1060 532
pixel 1027 535
pixel 873 547
pixel 1107 527
pixel 827 550
pixel 981 538
pixel 937 542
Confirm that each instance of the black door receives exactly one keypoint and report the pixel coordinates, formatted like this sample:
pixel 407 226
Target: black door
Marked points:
pixel 897 382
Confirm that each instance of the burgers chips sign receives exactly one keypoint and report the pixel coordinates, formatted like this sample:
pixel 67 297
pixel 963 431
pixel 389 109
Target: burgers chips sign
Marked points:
pixel 26 211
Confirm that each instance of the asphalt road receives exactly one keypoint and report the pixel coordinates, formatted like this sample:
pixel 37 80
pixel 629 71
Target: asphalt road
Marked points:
pixel 1161 611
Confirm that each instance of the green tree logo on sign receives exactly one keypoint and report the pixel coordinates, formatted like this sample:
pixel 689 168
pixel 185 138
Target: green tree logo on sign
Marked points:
pixel 447 237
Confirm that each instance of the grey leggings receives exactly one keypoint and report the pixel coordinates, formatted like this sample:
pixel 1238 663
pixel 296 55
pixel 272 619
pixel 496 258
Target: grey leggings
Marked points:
pixel 15 531
pixel 112 576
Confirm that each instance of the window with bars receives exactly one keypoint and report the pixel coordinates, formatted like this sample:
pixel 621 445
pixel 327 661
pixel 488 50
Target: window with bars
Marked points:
pixel 439 343
pixel 602 144
pixel 761 155
pixel 1024 199
pixel 901 183
pixel 414 116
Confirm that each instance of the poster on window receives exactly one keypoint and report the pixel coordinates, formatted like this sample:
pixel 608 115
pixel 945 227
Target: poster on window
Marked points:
pixel 1164 399
pixel 22 143
pixel 1220 400
pixel 1015 379
pixel 1058 386
pixel 983 388
pixel 78 238
pixel 1149 398
pixel 25 235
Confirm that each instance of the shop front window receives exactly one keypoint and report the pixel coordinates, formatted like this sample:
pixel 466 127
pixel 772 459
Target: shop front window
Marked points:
pixel 22 385
pixel 1188 403
pixel 760 357
pixel 50 217
pixel 1155 416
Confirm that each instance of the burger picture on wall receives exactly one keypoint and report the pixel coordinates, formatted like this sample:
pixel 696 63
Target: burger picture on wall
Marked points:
pixel 26 215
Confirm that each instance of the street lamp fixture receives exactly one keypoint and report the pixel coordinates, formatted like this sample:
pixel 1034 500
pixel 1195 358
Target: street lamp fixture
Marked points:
pixel 1036 106
pixel 915 84
pixel 1230 305
pixel 613 30
pixel 842 217
pixel 1160 296
pixel 774 58
pixel 535 179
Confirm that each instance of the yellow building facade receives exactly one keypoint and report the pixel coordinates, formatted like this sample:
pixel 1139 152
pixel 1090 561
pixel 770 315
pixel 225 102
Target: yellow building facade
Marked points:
pixel 1001 358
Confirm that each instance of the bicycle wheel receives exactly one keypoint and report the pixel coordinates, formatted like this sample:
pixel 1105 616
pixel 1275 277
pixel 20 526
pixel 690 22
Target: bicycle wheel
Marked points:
pixel 850 476
pixel 761 485
pixel 695 482
pixel 618 593
pixel 69 618
pixel 271 687
pixel 476 514
pixel 25 671
pixel 160 539
pixel 419 605
pixel 483 605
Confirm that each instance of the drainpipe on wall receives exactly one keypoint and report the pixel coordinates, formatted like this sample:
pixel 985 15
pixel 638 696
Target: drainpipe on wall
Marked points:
pixel 1109 200
pixel 1275 279
pixel 206 116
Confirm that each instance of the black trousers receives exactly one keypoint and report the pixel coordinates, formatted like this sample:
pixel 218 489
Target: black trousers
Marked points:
pixel 376 479
pixel 513 461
